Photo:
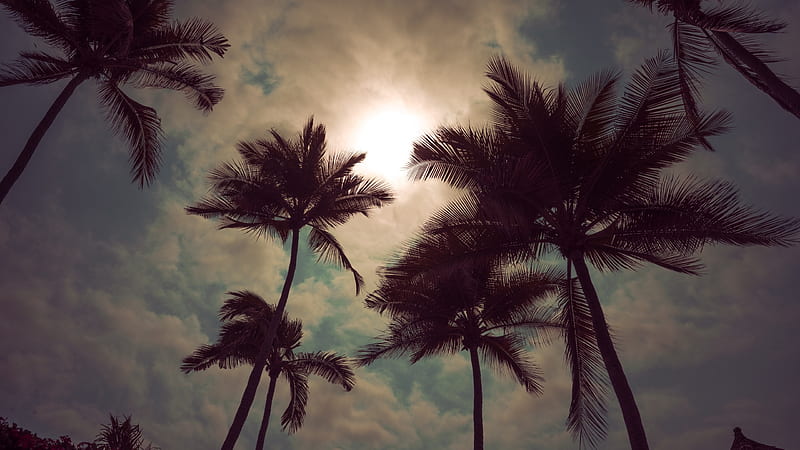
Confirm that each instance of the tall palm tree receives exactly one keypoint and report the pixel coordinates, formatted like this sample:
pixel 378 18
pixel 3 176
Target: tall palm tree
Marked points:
pixel 728 30
pixel 117 43
pixel 121 435
pixel 485 309
pixel 278 188
pixel 577 174
pixel 246 317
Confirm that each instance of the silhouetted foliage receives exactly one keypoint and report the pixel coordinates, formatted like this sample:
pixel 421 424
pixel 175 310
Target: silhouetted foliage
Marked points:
pixel 118 434
pixel 729 31
pixel 245 317
pixel 741 442
pixel 121 434
pixel 117 43
pixel 279 187
pixel 577 173
pixel 13 437
pixel 486 309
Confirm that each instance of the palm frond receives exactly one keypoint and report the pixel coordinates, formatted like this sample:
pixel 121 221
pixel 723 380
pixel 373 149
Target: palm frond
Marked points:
pixel 384 347
pixel 120 434
pixel 452 155
pixel 587 411
pixel 336 166
pixel 295 412
pixel 330 251
pixel 38 18
pixel 198 87
pixel 684 214
pixel 691 49
pixel 35 68
pixel 140 126
pixel 507 353
pixel 591 107
pixel 312 144
pixel 416 337
pixel 330 366
pixel 516 296
pixel 352 195
pixel 652 96
pixel 512 92
pixel 201 359
pixel 607 257
pixel 735 19
pixel 149 14
pixel 195 38
pixel 245 304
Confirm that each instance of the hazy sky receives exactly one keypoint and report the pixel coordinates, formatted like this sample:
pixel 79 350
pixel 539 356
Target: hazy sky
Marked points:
pixel 104 288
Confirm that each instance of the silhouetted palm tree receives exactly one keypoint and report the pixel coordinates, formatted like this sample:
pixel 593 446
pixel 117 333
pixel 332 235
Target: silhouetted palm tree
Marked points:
pixel 485 309
pixel 729 30
pixel 121 435
pixel 577 174
pixel 246 317
pixel 116 42
pixel 281 186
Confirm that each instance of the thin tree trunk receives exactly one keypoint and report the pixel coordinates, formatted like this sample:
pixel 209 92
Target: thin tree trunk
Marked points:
pixel 262 432
pixel 477 399
pixel 766 79
pixel 627 403
pixel 266 348
pixel 33 141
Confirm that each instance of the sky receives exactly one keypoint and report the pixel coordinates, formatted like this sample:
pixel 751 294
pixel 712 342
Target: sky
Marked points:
pixel 105 287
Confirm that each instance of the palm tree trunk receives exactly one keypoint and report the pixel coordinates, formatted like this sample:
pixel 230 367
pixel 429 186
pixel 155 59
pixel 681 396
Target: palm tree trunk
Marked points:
pixel 765 79
pixel 33 141
pixel 266 348
pixel 477 399
pixel 262 432
pixel 627 403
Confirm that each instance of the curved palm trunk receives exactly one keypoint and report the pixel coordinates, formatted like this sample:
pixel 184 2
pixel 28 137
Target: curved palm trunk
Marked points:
pixel 266 348
pixel 766 79
pixel 627 403
pixel 33 141
pixel 262 432
pixel 477 399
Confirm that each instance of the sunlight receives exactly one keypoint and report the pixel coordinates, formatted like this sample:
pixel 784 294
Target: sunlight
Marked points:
pixel 387 136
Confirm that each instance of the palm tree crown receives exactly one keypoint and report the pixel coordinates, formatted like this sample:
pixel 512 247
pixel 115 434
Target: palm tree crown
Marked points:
pixel 579 174
pixel 729 31
pixel 278 188
pixel 121 435
pixel 245 317
pixel 117 43
pixel 283 185
pixel 485 309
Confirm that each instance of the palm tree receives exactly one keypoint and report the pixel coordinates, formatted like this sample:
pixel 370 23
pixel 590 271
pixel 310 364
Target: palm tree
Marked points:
pixel 121 435
pixel 485 309
pixel 116 42
pixel 280 187
pixel 576 174
pixel 246 316
pixel 729 31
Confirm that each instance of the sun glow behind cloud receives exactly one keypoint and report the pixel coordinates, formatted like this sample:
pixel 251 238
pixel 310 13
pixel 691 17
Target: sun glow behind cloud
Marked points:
pixel 387 135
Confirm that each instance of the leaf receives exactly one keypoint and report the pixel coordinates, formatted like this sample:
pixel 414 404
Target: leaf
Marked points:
pixel 140 126
pixel 195 38
pixel 329 250
pixel 197 86
pixel 35 68
pixel 587 411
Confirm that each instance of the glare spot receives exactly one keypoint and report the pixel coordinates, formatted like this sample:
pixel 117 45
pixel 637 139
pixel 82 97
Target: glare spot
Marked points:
pixel 387 137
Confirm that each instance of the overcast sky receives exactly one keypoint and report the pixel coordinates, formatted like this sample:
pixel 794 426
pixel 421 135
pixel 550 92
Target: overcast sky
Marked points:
pixel 104 288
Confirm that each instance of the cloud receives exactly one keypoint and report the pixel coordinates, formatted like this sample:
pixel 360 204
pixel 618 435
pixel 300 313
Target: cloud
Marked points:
pixel 106 288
